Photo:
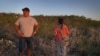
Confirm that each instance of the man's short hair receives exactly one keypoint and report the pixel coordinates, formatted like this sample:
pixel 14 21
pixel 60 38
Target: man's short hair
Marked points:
pixel 25 9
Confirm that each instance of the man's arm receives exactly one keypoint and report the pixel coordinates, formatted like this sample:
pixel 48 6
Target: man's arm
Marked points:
pixel 36 27
pixel 18 30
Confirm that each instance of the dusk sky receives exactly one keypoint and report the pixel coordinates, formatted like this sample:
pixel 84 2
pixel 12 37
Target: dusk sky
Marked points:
pixel 87 8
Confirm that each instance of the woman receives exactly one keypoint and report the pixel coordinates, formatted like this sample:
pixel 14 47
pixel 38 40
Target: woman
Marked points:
pixel 61 37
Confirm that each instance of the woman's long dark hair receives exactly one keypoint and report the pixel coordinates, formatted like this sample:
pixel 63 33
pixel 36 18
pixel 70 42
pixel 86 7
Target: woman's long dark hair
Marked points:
pixel 60 21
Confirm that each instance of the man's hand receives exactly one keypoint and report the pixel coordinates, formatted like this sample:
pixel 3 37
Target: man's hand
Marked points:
pixel 33 34
pixel 36 27
pixel 19 33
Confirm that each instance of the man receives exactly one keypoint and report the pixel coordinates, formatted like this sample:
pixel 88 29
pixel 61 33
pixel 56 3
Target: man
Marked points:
pixel 26 28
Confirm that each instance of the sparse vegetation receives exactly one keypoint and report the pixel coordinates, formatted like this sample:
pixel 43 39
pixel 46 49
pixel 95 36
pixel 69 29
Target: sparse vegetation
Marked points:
pixel 84 37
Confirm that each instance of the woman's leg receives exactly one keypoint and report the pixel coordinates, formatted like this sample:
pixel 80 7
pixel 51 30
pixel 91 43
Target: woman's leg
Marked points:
pixel 59 49
pixel 65 44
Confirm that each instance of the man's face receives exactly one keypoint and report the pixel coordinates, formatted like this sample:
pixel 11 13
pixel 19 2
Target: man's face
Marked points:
pixel 26 13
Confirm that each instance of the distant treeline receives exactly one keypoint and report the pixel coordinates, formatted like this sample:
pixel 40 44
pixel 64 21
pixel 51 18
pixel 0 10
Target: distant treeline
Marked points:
pixel 71 20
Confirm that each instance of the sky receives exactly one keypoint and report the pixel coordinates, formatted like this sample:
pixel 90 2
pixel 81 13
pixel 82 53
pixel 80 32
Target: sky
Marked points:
pixel 87 8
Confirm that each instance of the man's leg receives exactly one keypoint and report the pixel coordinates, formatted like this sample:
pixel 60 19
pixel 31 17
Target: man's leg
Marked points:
pixel 28 51
pixel 29 46
pixel 21 46
pixel 21 54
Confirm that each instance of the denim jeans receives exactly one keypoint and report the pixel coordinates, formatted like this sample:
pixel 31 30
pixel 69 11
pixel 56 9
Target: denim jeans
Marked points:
pixel 23 42
pixel 62 47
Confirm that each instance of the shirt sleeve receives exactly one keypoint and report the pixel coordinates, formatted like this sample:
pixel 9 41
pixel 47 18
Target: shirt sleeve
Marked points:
pixel 17 22
pixel 35 22
pixel 67 30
